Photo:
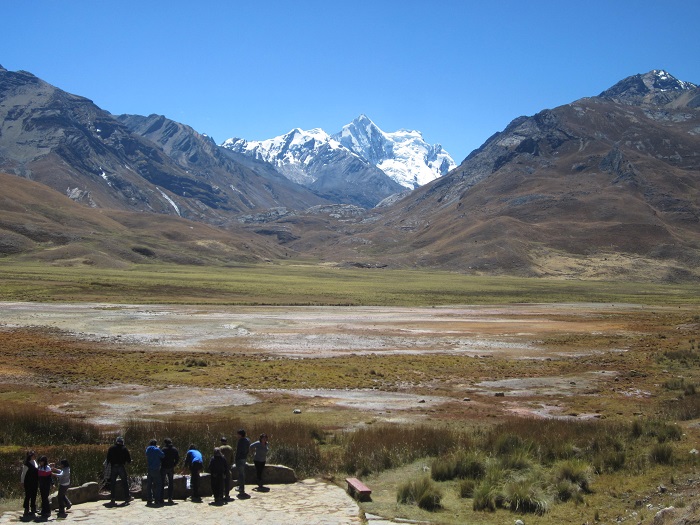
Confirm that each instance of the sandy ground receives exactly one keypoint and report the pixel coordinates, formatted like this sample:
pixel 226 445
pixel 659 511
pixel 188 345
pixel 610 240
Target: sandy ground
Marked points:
pixel 310 332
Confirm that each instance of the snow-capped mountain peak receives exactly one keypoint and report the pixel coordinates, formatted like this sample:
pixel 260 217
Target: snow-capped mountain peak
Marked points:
pixel 664 81
pixel 290 153
pixel 403 154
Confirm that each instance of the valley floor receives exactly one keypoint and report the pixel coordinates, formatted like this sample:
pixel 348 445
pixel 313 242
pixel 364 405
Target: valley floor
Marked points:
pixel 352 367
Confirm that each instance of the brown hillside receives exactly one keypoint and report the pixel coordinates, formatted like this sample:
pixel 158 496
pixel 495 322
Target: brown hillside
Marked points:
pixel 37 222
pixel 606 187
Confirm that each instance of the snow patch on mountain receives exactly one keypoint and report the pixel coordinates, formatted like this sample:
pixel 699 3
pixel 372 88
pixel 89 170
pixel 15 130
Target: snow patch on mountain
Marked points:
pixel 291 153
pixel 664 81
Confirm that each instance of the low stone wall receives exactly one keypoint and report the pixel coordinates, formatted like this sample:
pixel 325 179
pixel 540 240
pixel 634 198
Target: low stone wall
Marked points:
pixel 82 494
pixel 180 489
pixel 272 475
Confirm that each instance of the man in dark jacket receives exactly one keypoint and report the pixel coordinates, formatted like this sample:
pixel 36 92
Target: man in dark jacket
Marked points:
pixel 217 469
pixel 117 457
pixel 229 456
pixel 167 467
pixel 242 448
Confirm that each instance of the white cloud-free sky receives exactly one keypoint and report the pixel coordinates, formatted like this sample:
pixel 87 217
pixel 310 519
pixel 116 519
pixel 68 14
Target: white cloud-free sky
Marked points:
pixel 458 71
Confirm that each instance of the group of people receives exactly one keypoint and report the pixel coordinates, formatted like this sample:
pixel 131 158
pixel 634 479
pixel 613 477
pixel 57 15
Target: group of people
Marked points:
pixel 162 461
pixel 38 476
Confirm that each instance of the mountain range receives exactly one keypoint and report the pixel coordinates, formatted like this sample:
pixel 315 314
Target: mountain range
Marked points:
pixel 314 160
pixel 606 187
pixel 304 155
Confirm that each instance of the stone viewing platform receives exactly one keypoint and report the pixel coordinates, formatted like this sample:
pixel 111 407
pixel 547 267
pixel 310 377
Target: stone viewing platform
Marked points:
pixel 307 502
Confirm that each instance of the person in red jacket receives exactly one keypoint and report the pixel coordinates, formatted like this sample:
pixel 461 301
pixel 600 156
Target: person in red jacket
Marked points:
pixel 45 482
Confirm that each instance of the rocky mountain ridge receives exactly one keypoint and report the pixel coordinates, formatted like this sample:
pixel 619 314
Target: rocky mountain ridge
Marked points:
pixel 576 186
pixel 68 143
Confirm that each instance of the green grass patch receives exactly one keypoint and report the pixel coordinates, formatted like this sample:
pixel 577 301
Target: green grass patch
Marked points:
pixel 422 492
pixel 312 285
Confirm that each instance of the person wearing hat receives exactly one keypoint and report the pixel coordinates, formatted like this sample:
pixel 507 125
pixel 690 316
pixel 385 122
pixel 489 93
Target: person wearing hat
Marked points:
pixel 118 456
pixel 227 452
pixel 217 469
pixel 171 457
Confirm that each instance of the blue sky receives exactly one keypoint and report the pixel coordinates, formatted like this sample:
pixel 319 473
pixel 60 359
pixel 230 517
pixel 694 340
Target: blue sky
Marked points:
pixel 456 70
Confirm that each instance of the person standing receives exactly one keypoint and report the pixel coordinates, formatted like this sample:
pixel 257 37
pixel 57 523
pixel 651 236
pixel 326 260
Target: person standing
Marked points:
pixel 218 468
pixel 30 482
pixel 171 457
pixel 44 473
pixel 260 449
pixel 154 487
pixel 193 460
pixel 227 452
pixel 63 476
pixel 118 457
pixel 242 448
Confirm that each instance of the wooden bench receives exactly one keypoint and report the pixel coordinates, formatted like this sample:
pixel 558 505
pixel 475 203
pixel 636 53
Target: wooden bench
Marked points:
pixel 358 490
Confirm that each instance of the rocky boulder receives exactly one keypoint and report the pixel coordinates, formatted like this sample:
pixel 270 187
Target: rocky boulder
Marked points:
pixel 82 494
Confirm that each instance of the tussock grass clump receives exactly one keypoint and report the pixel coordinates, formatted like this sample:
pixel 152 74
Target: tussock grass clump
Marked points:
pixel 463 465
pixel 442 469
pixel 487 496
pixel 661 453
pixel 567 490
pixel 465 488
pixel 509 443
pixel 609 461
pixel 422 492
pixel 517 460
pixel 525 495
pixel 193 362
pixel 576 471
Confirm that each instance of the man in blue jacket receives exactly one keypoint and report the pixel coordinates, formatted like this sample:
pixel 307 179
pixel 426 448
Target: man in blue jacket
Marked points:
pixel 154 486
pixel 194 461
